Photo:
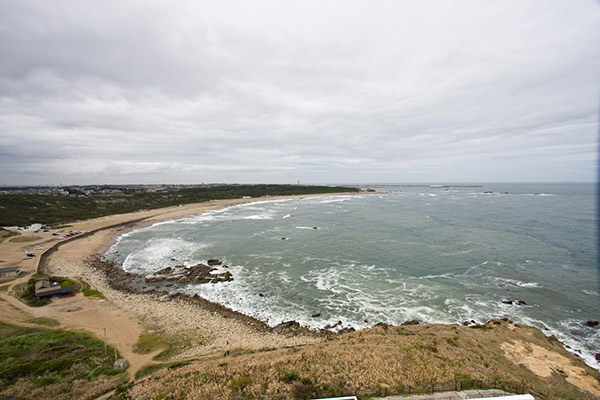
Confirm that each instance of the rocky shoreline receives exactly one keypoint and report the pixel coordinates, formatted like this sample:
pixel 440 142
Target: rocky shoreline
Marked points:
pixel 125 282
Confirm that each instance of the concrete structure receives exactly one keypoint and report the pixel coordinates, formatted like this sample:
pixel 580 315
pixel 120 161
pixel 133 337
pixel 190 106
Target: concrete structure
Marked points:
pixel 9 273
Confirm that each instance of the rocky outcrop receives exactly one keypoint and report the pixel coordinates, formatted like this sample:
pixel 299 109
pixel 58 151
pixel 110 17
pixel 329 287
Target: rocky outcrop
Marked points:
pixel 515 302
pixel 498 321
pixel 411 322
pixel 591 323
pixel 330 326
pixel 199 273
pixel 291 328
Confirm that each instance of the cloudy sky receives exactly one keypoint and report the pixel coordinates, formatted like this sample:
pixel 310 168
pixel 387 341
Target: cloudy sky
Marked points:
pixel 280 91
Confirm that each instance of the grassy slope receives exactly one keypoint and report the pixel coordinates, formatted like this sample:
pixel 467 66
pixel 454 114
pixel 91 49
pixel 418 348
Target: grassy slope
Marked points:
pixel 377 361
pixel 21 210
pixel 38 363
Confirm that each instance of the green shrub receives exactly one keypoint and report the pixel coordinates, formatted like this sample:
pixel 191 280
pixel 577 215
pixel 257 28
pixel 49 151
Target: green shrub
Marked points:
pixel 93 293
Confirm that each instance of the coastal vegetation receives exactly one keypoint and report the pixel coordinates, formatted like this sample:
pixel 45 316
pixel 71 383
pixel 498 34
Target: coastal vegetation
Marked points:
pixel 55 209
pixel 5 234
pixel 380 361
pixel 47 363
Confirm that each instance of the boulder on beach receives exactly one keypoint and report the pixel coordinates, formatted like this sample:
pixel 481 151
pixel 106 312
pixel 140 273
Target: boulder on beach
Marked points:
pixel 329 326
pixel 290 328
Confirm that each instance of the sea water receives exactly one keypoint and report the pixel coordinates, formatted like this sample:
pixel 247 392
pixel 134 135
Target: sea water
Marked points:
pixel 432 254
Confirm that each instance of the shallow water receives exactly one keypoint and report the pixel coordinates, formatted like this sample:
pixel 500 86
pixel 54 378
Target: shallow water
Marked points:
pixel 443 255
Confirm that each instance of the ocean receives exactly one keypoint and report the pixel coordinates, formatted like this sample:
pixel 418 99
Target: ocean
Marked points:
pixel 432 254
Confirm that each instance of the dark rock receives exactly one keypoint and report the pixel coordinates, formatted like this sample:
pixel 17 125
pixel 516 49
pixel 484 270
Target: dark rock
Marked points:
pixel 591 322
pixel 200 273
pixel 346 330
pixel 597 356
pixel 498 321
pixel 290 328
pixel 507 301
pixel 520 303
pixel 315 315
pixel 466 323
pixel 333 326
pixel 382 325
pixel 261 295
pixel 411 322
pixel 314 227
pixel 284 238
pixel 214 262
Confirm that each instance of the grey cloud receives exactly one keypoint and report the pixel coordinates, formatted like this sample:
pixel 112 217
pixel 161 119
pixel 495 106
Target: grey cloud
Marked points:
pixel 334 92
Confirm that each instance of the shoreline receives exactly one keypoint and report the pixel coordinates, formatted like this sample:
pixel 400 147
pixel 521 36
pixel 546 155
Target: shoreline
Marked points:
pixel 171 315
pixel 146 218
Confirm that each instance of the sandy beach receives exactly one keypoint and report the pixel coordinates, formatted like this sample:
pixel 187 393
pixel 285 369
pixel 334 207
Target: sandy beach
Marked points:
pixel 127 315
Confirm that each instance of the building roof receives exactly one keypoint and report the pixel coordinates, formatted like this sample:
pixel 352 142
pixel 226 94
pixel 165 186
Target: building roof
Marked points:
pixel 43 288
pixel 9 269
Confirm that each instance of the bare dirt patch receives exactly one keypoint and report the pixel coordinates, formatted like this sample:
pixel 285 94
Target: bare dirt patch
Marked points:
pixel 544 363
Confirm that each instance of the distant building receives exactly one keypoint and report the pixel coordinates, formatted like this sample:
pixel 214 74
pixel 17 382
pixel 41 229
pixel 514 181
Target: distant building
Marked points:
pixel 44 289
pixel 9 273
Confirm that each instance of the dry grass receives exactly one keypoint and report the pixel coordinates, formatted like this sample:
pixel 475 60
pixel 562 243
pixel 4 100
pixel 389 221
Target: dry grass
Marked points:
pixel 382 360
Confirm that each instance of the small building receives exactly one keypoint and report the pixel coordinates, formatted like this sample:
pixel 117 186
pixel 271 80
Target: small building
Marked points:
pixel 35 227
pixel 44 289
pixel 9 273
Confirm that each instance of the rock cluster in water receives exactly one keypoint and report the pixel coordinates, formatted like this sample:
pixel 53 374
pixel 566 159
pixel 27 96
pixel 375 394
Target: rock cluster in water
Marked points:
pixel 200 273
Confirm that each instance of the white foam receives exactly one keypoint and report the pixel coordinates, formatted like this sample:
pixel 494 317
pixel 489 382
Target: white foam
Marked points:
pixel 157 254
pixel 515 282
pixel 258 216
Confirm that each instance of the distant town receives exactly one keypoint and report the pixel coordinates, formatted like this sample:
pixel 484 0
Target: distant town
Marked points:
pixel 87 190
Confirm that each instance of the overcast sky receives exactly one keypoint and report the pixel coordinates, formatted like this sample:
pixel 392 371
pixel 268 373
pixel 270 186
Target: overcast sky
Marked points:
pixel 281 91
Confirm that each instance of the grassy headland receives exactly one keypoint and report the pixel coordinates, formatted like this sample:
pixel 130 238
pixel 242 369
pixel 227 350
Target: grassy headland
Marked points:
pixel 380 361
